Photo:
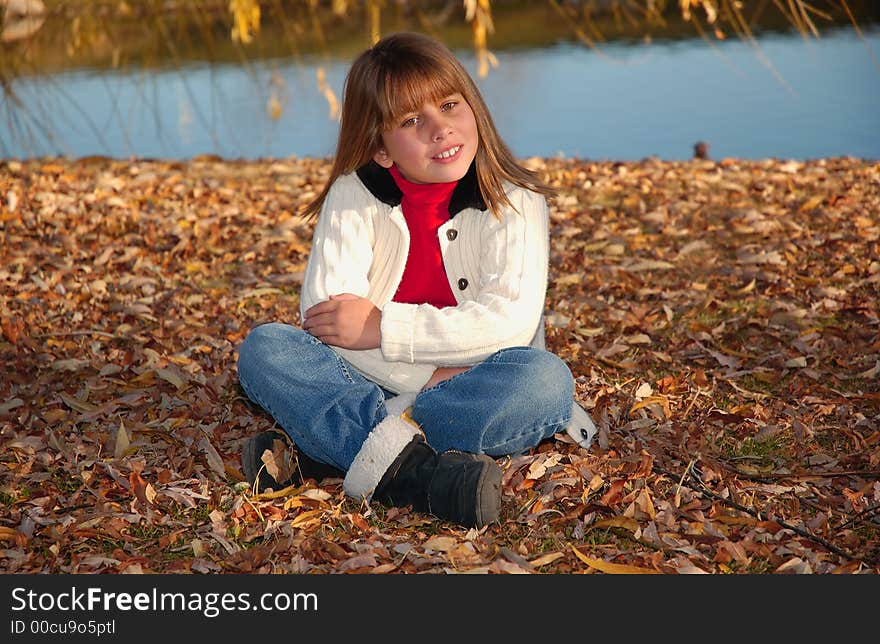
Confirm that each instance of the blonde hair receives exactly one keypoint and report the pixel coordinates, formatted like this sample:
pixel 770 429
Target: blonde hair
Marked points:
pixel 398 75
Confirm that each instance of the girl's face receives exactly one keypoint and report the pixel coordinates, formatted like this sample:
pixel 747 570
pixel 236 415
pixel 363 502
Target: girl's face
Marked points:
pixel 435 144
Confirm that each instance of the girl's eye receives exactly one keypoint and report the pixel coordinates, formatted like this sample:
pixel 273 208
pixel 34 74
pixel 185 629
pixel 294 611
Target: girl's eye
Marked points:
pixel 412 120
pixel 448 105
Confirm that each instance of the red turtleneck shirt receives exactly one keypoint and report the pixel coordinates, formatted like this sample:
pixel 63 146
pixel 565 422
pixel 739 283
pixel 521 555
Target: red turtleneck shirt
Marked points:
pixel 425 208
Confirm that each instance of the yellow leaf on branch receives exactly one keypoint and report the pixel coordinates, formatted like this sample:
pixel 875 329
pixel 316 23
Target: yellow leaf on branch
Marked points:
pixel 328 93
pixel 246 19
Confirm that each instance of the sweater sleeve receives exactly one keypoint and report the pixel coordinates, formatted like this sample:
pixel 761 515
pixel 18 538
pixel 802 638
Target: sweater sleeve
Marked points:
pixel 508 304
pixel 339 262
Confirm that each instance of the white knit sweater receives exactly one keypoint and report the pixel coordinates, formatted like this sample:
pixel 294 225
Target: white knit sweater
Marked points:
pixel 497 270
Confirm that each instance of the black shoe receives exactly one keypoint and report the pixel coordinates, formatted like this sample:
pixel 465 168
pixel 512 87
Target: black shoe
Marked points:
pixel 298 464
pixel 457 486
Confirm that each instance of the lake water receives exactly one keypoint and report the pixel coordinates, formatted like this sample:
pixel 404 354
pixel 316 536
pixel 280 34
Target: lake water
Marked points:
pixel 790 97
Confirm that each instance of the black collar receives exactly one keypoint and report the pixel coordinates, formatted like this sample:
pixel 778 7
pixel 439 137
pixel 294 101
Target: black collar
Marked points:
pixel 380 182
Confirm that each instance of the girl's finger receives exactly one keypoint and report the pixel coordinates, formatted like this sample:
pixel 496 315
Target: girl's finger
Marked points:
pixel 322 330
pixel 322 319
pixel 321 307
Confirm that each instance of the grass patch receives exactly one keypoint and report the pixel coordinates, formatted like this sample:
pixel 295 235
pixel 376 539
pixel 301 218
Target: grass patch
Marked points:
pixel 868 533
pixel 754 566
pixel 196 516
pixel 108 546
pixel 760 453
pixel 606 536
pixel 66 484
pixel 146 532
pixel 765 383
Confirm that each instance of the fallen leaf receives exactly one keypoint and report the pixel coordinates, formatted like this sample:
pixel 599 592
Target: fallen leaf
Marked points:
pixel 172 375
pixel 613 568
pixel 71 364
pixel 648 265
pixel 661 401
pixel 546 559
pixel 122 441
pixel 627 523
pixel 9 405
pixel 213 457
pixel 141 488
pixel 77 404
pixel 439 543
pixel 8 534
pixel 644 390
pixel 307 519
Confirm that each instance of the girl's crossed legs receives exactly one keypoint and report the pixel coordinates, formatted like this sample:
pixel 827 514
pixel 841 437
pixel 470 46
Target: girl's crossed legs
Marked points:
pixel 506 404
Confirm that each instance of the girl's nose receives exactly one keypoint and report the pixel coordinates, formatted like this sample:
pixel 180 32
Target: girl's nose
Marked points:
pixel 440 129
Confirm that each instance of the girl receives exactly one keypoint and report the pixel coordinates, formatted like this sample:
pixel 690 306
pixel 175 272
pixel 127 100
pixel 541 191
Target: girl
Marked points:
pixel 421 355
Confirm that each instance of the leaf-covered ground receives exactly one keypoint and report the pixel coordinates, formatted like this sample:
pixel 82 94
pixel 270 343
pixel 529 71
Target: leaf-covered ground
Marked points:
pixel 720 318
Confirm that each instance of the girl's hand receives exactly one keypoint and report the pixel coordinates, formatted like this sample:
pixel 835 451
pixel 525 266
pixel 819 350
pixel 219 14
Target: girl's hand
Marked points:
pixel 443 373
pixel 345 320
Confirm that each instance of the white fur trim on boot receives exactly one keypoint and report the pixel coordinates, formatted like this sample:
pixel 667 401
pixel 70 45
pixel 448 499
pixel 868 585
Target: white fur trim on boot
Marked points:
pixel 383 445
pixel 581 427
pixel 396 405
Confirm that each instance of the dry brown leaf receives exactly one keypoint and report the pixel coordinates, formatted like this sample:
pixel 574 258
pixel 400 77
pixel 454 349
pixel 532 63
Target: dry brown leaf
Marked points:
pixel 78 405
pixel 307 519
pixel 172 375
pixel 627 523
pixel 8 534
pixel 613 568
pixel 215 462
pixel 122 445
pixel 546 559
pixel 9 405
pixel 439 543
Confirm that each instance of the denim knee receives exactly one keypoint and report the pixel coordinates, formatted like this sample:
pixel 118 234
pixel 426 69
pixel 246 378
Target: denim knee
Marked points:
pixel 504 405
pixel 557 379
pixel 544 378
pixel 263 343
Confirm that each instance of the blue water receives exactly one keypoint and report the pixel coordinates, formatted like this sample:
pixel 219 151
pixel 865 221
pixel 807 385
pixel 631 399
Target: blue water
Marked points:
pixel 789 97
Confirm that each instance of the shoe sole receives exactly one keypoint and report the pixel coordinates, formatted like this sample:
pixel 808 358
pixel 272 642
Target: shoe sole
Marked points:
pixel 490 481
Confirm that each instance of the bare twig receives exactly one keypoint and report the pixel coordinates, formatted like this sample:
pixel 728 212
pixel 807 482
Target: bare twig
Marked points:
pixel 802 532
pixel 861 516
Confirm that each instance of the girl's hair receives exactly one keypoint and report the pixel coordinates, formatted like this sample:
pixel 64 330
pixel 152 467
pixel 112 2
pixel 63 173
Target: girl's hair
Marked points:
pixel 398 75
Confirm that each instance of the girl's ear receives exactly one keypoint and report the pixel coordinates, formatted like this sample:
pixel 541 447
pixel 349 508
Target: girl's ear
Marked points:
pixel 381 157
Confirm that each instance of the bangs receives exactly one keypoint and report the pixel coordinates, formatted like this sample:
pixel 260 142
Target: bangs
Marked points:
pixel 406 89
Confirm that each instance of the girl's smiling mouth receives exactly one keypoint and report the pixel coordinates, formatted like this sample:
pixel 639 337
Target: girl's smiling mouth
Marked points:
pixel 449 154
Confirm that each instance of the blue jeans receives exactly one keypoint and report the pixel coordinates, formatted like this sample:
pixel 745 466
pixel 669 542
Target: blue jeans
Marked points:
pixel 506 404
